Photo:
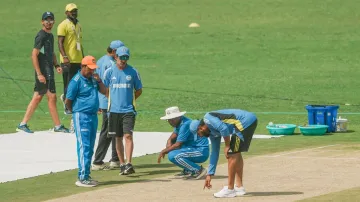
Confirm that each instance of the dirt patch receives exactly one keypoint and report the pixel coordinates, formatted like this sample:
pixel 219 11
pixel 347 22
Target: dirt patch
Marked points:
pixel 287 176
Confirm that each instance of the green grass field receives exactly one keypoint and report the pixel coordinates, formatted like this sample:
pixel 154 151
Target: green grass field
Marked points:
pixel 259 55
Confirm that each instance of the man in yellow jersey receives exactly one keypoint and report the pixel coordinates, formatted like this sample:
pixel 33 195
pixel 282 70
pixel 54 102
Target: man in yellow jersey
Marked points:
pixel 70 46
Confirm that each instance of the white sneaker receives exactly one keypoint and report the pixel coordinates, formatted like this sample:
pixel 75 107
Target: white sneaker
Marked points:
pixel 86 183
pixel 100 167
pixel 240 191
pixel 114 164
pixel 225 193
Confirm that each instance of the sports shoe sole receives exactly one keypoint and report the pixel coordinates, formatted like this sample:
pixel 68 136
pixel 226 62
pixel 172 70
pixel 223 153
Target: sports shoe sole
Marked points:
pixel 97 168
pixel 114 166
pixel 19 130
pixel 238 193
pixel 79 184
pixel 226 196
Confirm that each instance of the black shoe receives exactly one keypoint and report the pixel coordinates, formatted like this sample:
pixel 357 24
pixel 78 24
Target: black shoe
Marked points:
pixel 129 169
pixel 199 174
pixel 122 169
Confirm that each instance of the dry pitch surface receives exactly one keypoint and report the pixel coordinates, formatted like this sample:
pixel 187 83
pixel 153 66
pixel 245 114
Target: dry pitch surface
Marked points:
pixel 287 176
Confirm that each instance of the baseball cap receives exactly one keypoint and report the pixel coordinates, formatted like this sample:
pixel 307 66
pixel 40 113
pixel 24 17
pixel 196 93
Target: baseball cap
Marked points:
pixel 116 44
pixel 194 125
pixel 47 14
pixel 70 7
pixel 123 51
pixel 172 112
pixel 89 61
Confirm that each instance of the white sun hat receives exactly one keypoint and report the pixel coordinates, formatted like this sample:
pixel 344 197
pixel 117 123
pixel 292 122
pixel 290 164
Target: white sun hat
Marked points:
pixel 172 112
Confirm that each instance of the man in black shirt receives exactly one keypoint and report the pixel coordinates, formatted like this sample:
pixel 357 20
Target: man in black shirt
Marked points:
pixel 44 61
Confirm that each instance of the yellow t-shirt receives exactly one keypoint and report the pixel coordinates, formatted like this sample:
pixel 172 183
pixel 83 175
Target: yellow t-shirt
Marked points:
pixel 72 41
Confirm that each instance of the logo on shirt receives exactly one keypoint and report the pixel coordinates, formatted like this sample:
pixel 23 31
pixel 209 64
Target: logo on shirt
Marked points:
pixel 114 78
pixel 121 85
pixel 128 77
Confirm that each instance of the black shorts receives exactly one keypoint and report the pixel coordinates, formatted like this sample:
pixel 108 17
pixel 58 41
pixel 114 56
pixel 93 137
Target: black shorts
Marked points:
pixel 121 123
pixel 42 88
pixel 237 145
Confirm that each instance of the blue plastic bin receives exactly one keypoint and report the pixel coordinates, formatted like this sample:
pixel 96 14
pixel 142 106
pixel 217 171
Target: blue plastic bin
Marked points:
pixel 323 115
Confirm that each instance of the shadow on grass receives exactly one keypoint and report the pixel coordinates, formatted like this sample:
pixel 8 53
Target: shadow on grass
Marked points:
pixel 339 133
pixel 155 165
pixel 275 193
pixel 348 131
pixel 153 172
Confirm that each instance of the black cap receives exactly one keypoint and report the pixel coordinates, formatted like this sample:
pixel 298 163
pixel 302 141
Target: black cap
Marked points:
pixel 48 14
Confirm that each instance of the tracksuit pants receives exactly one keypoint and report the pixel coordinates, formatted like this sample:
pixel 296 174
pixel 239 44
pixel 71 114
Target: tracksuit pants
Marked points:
pixel 187 157
pixel 85 129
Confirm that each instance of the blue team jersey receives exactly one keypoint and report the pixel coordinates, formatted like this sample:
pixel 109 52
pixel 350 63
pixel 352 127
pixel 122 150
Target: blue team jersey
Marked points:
pixel 122 84
pixel 223 123
pixel 185 136
pixel 84 94
pixel 183 120
pixel 183 132
pixel 104 63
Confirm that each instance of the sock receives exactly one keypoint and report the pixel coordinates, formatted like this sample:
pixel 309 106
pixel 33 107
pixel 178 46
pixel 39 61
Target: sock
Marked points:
pixel 22 124
pixel 57 127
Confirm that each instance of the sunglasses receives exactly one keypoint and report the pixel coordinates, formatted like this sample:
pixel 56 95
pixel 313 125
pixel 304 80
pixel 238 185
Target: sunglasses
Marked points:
pixel 124 57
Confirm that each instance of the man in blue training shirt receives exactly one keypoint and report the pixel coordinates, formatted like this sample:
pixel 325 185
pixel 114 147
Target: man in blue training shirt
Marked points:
pixel 237 127
pixel 104 63
pixel 188 148
pixel 125 87
pixel 83 102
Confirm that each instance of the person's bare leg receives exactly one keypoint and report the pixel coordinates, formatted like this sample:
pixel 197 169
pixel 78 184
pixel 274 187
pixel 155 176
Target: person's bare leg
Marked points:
pixel 232 169
pixel 36 99
pixel 129 147
pixel 52 108
pixel 120 149
pixel 239 171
